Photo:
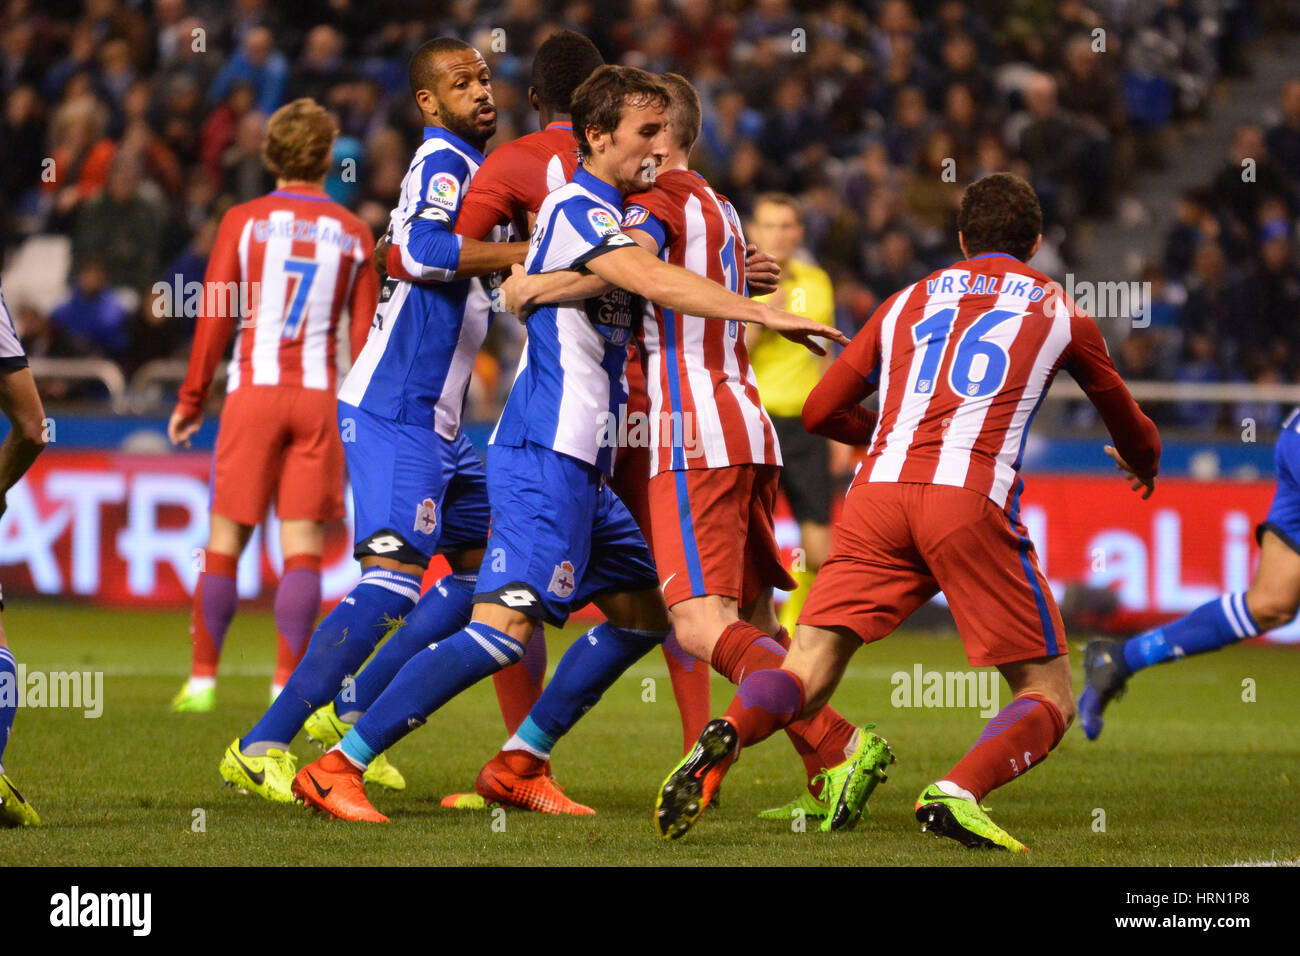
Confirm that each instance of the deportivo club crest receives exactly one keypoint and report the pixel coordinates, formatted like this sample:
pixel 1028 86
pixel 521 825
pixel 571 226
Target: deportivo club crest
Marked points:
pixel 426 516
pixel 563 581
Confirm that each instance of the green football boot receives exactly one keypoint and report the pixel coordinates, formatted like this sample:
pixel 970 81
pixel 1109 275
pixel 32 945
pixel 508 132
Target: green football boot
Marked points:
pixel 811 807
pixel 850 784
pixel 962 820
pixel 694 782
pixel 14 810
pixel 269 777
pixel 187 701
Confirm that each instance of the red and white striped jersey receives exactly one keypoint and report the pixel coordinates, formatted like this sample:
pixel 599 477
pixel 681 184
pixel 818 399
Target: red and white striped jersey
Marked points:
pixel 704 406
pixel 285 266
pixel 963 359
pixel 515 178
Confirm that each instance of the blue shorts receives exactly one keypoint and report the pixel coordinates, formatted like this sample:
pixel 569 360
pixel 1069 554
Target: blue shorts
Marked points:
pixel 415 494
pixel 559 535
pixel 1284 514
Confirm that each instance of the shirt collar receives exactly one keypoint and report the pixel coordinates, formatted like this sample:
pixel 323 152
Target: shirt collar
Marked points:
pixel 986 255
pixel 441 132
pixel 560 124
pixel 302 191
pixel 610 194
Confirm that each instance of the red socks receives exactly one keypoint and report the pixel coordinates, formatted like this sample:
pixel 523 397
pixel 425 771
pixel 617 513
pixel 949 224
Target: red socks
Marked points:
pixel 1017 738
pixel 765 701
pixel 821 740
pixel 690 677
pixel 297 605
pixel 215 600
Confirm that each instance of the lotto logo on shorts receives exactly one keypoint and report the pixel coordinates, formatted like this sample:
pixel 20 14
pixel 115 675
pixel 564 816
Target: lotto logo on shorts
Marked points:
pixel 563 581
pixel 426 516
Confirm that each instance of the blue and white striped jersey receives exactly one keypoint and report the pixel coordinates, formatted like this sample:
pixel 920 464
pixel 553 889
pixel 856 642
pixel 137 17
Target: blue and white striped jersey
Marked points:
pixel 571 380
pixel 415 367
pixel 12 355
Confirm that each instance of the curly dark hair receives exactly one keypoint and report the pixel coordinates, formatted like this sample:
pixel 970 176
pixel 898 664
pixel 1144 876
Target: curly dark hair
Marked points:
pixel 560 66
pixel 1000 213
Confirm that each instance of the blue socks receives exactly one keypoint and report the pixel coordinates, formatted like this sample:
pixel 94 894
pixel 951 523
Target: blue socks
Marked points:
pixel 427 681
pixel 9 694
pixel 340 645
pixel 1220 622
pixel 441 612
pixel 588 668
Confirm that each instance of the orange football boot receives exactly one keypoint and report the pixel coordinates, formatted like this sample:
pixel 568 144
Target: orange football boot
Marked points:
pixel 517 778
pixel 333 784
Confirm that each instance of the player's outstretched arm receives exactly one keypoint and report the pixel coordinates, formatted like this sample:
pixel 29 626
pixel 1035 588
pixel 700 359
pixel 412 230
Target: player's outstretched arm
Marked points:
pixel 632 268
pixel 21 404
pixel 483 258
pixel 524 293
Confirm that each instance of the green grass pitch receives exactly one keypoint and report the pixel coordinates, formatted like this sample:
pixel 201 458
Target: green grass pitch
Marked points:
pixel 1186 773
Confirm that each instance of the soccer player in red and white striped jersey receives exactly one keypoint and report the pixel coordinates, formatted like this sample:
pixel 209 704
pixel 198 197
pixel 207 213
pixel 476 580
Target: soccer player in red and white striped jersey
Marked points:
pixel 962 359
pixel 287 266
pixel 714 455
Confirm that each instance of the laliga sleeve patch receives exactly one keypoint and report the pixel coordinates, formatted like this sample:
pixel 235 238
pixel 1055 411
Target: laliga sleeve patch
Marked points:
pixel 603 221
pixel 444 191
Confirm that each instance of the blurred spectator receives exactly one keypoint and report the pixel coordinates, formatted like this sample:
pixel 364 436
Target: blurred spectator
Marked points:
pixel 121 231
pixel 259 64
pixel 94 319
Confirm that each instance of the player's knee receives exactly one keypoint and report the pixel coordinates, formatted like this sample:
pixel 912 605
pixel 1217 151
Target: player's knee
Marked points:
pixel 1272 609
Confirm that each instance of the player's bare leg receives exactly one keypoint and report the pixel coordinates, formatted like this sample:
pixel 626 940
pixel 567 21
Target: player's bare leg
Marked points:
pixel 215 600
pixel 1018 738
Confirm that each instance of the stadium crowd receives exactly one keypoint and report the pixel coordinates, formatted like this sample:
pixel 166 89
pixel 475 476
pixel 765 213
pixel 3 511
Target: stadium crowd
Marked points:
pixel 130 128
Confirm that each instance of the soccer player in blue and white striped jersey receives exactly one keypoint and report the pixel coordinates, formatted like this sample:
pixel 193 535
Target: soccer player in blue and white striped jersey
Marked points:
pixel 560 536
pixel 418 486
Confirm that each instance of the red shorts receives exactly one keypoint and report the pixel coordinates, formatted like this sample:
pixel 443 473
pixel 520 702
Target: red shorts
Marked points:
pixel 897 544
pixel 713 532
pixel 281 441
